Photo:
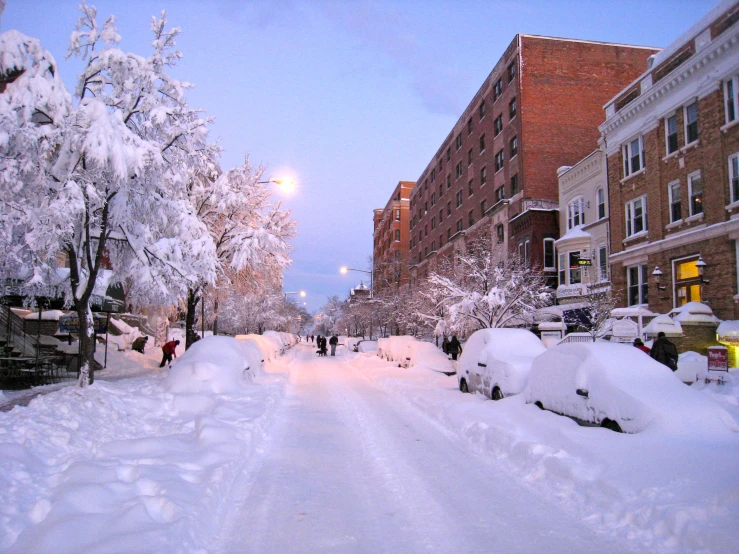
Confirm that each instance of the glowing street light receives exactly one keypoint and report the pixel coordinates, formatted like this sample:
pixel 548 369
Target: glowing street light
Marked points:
pixel 345 269
pixel 286 184
pixel 301 293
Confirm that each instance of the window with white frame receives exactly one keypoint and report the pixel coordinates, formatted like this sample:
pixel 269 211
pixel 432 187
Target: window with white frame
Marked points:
pixel 676 210
pixel 636 216
pixel 397 215
pixel 691 123
pixel 734 176
pixel 695 190
pixel 671 134
pixel 731 98
pixel 600 196
pixel 575 271
pixel 633 154
pixel 562 269
pixel 576 212
pixel 638 284
pixel 549 255
pixel 603 262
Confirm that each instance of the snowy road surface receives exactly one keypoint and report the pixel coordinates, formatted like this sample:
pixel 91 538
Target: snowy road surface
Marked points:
pixel 349 468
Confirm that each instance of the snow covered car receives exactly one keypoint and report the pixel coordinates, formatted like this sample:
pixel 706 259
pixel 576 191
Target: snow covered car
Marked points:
pixel 428 355
pixel 497 362
pixel 619 387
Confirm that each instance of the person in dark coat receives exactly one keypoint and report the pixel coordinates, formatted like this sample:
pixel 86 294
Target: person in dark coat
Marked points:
pixel 640 345
pixel 333 342
pixel 168 350
pixel 445 345
pixel 139 345
pixel 664 351
pixel 323 346
pixel 455 348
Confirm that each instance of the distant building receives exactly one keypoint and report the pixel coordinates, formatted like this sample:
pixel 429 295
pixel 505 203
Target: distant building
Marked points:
pixel 361 292
pixel 671 138
pixel 391 240
pixel 581 256
pixel 538 110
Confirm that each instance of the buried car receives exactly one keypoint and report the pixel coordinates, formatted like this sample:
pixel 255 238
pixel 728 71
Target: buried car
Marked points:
pixel 621 388
pixel 497 362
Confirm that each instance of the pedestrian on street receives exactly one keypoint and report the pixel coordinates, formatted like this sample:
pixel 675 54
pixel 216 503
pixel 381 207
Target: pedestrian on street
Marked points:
pixel 664 351
pixel 455 348
pixel 640 345
pixel 333 342
pixel 445 345
pixel 168 350
pixel 139 345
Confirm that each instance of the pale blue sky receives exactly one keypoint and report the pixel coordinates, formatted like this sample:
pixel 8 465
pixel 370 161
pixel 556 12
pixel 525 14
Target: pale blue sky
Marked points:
pixel 351 96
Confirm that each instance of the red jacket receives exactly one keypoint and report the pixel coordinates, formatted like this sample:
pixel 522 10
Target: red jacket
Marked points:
pixel 169 348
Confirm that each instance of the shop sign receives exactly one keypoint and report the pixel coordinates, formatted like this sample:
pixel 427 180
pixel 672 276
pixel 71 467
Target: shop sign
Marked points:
pixel 566 291
pixel 718 358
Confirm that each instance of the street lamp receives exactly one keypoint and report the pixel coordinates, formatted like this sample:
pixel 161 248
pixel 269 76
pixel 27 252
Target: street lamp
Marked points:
pixel 286 185
pixel 372 288
pixel 301 293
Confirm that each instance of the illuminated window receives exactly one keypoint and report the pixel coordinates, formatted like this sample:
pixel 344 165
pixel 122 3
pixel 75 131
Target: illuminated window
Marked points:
pixel 687 281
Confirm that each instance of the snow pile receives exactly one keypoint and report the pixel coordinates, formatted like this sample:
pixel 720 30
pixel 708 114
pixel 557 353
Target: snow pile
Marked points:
pixel 368 346
pixel 665 324
pixel 269 345
pixel 395 349
pixel 132 466
pixel 728 332
pixel 505 355
pixel 694 312
pixel 211 365
pixel 128 334
pixel 351 343
pixel 46 315
pixel 691 366
pixel 429 356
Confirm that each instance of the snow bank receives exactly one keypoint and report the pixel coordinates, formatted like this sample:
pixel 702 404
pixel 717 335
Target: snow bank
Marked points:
pixel 214 364
pixel 408 351
pixel 665 324
pixel 368 346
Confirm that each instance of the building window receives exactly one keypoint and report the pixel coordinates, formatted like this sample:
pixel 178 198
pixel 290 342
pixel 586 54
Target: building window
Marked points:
pixel 511 72
pixel 498 125
pixel 483 208
pixel 471 218
pixel 633 154
pixel 499 194
pixel 734 177
pixel 449 181
pixel 499 161
pixel 731 90
pixel 603 262
pixel 600 197
pixel 397 215
pixel 575 271
pixel 497 89
pixel 470 187
pixel 469 126
pixel 448 154
pixel 433 198
pixel 549 255
pixel 512 108
pixel 500 232
pixel 433 246
pixel 433 223
pixel 482 144
pixel 482 109
pixel 458 170
pixel 687 281
pixel 695 190
pixel 638 284
pixel 562 270
pixel 691 123
pixel 636 216
pixel 514 146
pixel 676 211
pixel 459 198
pixel 514 185
pixel 448 234
pixel 483 176
pixel 397 235
pixel 441 215
pixel 459 225
pixel 576 212
pixel 441 190
pixel 458 143
pixel 425 231
pixel 433 175
pixel 469 157
pixel 671 134
pixel 449 208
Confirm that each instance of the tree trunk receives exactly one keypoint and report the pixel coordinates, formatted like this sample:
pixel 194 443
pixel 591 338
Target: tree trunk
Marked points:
pixel 87 343
pixel 193 297
pixel 215 315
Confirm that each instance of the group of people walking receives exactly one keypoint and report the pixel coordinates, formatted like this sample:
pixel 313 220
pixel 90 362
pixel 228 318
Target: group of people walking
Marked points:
pixel 663 350
pixel 451 347
pixel 321 343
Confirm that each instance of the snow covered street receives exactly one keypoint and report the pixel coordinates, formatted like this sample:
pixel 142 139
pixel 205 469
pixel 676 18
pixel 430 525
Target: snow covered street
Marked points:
pixel 349 468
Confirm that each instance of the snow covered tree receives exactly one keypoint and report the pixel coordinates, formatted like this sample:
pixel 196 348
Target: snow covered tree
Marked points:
pixel 110 183
pixel 481 289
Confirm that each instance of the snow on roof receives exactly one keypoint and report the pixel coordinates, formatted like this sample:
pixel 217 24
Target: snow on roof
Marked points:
pixel 46 315
pixel 694 312
pixel 632 311
pixel 574 233
pixel 665 324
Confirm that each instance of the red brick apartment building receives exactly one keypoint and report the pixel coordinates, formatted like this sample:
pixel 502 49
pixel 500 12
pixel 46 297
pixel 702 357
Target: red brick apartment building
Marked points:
pixel 391 240
pixel 496 171
pixel 671 139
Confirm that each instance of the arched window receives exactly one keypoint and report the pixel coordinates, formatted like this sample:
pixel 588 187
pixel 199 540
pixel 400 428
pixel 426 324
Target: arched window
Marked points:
pixel 576 212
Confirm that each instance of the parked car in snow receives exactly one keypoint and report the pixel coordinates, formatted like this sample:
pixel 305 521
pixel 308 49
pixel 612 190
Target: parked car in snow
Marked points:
pixel 619 387
pixel 497 362
pixel 428 355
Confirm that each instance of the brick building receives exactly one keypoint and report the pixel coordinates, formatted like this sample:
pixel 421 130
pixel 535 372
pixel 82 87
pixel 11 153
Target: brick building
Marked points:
pixel 496 171
pixel 391 240
pixel 671 139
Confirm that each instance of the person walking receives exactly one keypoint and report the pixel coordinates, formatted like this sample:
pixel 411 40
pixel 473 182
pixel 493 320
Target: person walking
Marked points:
pixel 664 351
pixel 139 345
pixel 445 345
pixel 640 345
pixel 168 350
pixel 455 348
pixel 333 342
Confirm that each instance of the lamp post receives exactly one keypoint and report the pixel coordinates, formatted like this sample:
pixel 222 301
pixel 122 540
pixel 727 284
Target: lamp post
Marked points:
pixel 301 293
pixel 372 288
pixel 286 185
